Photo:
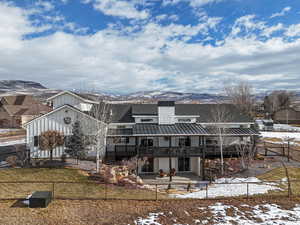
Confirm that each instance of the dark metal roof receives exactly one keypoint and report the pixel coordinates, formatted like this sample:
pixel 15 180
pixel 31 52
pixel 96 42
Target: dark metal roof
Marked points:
pixel 179 129
pixel 231 131
pixel 166 103
pixel 120 132
pixel 170 129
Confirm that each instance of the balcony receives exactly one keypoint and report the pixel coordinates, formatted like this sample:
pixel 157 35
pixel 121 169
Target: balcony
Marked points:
pixel 155 151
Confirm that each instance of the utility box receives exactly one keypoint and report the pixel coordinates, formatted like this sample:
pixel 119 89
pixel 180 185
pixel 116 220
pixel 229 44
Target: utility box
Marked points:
pixel 40 199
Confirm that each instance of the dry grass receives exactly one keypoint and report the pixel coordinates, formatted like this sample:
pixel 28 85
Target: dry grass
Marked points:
pixel 279 174
pixel 123 212
pixel 80 190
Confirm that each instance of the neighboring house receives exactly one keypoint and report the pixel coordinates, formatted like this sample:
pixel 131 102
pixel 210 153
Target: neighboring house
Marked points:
pixel 287 116
pixel 161 134
pixel 17 110
pixel 265 125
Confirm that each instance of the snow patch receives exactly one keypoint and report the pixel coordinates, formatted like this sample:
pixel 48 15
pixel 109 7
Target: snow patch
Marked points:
pixel 150 220
pixel 15 142
pixel 229 187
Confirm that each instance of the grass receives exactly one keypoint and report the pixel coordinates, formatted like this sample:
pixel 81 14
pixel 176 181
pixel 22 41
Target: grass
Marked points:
pixel 81 190
pixel 279 174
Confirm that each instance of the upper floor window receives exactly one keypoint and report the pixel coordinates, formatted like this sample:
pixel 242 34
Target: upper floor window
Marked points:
pixel 184 120
pixel 184 141
pixel 146 120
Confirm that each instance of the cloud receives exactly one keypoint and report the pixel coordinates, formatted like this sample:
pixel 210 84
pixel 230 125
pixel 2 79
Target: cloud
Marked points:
pixel 268 31
pixel 154 56
pixel 293 30
pixel 192 3
pixel 46 5
pixel 282 13
pixel 120 8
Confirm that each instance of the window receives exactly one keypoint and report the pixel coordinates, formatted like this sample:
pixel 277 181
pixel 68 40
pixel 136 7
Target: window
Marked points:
pixel 148 166
pixel 36 141
pixel 121 127
pixel 184 120
pixel 183 164
pixel 184 141
pixel 146 120
pixel 147 142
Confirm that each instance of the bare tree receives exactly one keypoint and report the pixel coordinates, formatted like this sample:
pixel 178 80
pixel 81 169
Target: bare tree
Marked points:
pixel 49 140
pixel 278 100
pixel 220 115
pixel 241 95
pixel 246 150
pixel 103 113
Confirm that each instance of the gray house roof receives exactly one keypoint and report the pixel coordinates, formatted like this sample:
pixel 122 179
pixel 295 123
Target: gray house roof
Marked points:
pixel 122 113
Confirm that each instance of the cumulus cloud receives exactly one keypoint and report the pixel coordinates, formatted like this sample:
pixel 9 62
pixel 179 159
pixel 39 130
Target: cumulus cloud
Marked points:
pixel 192 3
pixel 152 57
pixel 282 12
pixel 293 30
pixel 120 8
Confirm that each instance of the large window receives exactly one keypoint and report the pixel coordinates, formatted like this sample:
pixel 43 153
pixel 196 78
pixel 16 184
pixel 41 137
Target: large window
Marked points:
pixel 148 166
pixel 147 142
pixel 186 141
pixel 36 141
pixel 184 164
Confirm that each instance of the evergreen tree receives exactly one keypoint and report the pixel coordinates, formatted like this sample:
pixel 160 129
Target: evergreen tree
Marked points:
pixel 76 145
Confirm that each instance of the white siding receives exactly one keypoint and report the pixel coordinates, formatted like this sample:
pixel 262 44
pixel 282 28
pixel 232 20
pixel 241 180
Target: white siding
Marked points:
pixel 55 121
pixel 67 99
pixel 166 115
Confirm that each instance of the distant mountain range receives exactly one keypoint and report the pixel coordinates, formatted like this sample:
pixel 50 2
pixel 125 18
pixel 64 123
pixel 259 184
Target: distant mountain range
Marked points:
pixel 14 87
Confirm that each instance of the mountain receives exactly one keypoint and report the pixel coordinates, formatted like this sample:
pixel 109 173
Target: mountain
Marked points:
pixel 174 96
pixel 15 85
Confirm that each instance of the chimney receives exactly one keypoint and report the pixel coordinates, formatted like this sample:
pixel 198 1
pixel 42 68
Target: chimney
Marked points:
pixel 166 112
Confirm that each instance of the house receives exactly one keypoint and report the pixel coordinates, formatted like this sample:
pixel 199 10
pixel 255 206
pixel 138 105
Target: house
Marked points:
pixel 17 110
pixel 287 116
pixel 265 124
pixel 163 135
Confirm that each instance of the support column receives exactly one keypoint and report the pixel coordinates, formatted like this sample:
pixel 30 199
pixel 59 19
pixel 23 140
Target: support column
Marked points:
pixel 137 155
pixel 203 157
pixel 170 158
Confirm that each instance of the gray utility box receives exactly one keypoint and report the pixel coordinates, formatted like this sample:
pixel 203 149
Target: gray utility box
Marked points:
pixel 40 199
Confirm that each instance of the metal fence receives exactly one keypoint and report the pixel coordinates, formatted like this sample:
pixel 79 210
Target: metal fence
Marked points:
pixel 79 190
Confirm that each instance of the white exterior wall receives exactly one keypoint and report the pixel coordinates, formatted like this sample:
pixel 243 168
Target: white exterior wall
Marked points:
pixel 71 100
pixel 55 121
pixel 196 165
pixel 166 115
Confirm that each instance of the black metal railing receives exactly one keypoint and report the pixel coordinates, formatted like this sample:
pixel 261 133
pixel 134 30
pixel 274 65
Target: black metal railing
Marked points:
pixel 156 151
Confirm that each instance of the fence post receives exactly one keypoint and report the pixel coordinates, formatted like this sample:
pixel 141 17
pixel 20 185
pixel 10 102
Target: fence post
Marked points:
pixel 288 150
pixel 53 190
pixel 105 191
pixel 247 190
pixel 206 190
pixel 156 196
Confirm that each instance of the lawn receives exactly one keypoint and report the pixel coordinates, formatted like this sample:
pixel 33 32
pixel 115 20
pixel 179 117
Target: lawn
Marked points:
pixel 279 174
pixel 84 189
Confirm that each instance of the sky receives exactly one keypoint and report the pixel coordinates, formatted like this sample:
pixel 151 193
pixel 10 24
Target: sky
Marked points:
pixel 124 46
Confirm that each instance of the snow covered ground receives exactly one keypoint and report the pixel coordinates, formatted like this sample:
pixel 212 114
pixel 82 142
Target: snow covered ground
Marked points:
pixel 7 130
pixel 229 187
pixel 281 135
pixel 263 214
pixel 15 142
pixel 285 127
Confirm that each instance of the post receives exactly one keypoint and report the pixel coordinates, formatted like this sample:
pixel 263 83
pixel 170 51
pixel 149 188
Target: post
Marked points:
pixel 156 195
pixel 170 159
pixel 203 158
pixel 137 156
pixel 206 190
pixel 105 191
pixel 247 190
pixel 266 150
pixel 53 190
pixel 288 150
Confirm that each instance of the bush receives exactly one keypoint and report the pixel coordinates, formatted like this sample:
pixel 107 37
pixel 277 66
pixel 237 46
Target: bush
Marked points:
pixel 63 158
pixel 12 160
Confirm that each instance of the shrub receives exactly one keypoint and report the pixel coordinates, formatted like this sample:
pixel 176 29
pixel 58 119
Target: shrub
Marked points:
pixel 12 160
